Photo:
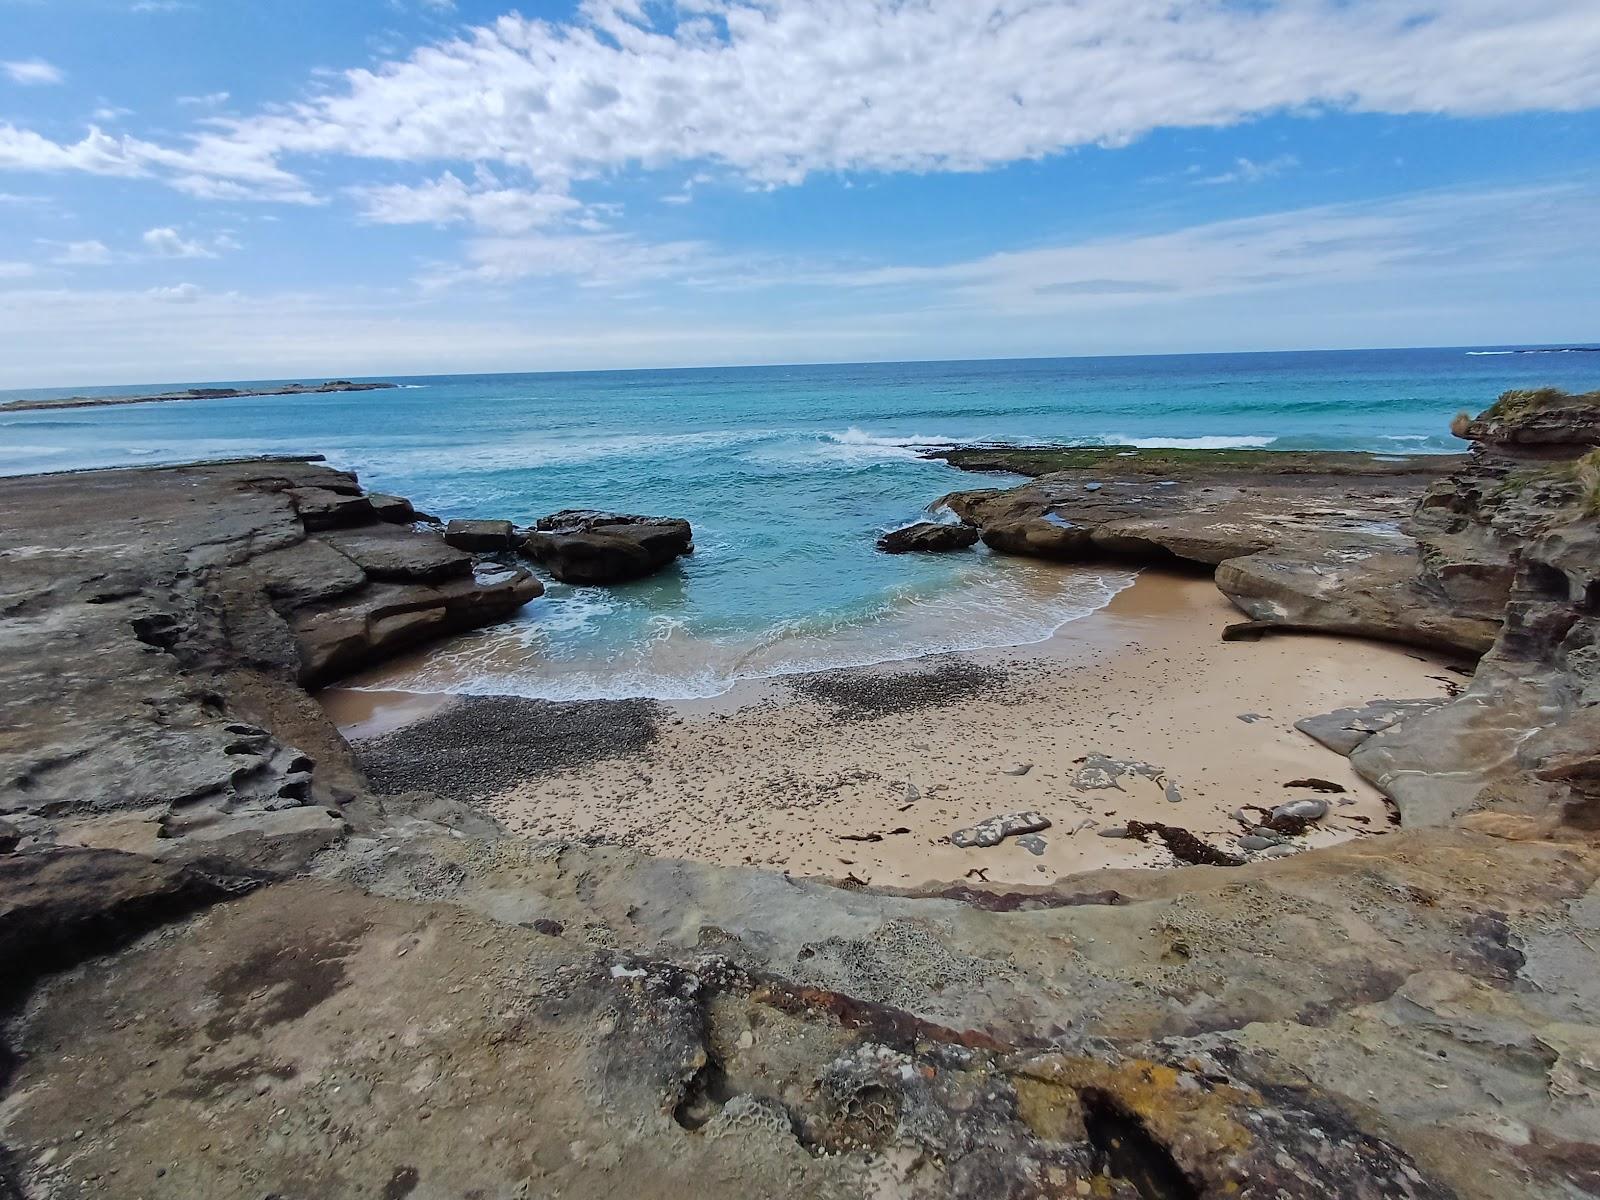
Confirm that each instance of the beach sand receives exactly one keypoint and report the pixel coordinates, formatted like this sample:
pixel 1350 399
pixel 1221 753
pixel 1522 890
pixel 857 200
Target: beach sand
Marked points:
pixel 788 774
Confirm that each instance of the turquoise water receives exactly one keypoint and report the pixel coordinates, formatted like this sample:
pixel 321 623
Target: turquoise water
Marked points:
pixel 788 474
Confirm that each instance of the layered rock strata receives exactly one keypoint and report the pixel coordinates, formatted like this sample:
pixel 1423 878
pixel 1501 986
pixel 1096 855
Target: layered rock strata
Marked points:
pixel 157 630
pixel 430 1008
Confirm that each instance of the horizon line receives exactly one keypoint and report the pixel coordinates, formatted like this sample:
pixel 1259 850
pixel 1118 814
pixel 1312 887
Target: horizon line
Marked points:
pixel 1553 347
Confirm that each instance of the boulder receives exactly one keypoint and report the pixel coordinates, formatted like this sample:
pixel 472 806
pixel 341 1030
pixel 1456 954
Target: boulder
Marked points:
pixel 397 510
pixel 585 547
pixel 928 537
pixel 480 537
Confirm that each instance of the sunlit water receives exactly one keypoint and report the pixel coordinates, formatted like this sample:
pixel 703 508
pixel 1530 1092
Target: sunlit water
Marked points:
pixel 788 474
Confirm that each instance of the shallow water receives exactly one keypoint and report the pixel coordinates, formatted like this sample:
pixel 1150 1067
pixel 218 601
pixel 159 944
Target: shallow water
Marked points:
pixel 788 474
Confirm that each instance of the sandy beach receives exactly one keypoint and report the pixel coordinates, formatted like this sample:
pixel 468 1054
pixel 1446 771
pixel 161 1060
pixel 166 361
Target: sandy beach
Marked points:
pixel 865 774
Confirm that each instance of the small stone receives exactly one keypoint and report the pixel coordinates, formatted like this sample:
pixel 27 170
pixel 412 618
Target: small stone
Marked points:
pixel 1093 487
pixel 1251 841
pixel 1113 831
pixel 1308 809
pixel 1019 769
pixel 1279 851
pixel 1174 796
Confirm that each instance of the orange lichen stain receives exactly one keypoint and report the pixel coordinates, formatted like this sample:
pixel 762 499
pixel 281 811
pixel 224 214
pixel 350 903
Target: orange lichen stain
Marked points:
pixel 1180 1108
pixel 1054 1113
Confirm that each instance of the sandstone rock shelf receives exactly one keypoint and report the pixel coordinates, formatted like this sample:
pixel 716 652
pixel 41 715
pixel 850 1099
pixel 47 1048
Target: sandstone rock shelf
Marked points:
pixel 354 994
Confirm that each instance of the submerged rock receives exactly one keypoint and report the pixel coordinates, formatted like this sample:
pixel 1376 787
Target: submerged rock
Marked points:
pixel 928 537
pixel 585 547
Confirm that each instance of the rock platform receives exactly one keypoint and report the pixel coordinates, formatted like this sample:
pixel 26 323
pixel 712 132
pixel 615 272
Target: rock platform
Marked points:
pixel 236 969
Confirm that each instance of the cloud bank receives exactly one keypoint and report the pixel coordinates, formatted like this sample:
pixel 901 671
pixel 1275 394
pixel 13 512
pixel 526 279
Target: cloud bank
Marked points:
pixel 772 91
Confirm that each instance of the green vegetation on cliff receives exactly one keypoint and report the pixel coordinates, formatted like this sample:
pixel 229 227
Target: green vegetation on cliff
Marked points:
pixel 1514 405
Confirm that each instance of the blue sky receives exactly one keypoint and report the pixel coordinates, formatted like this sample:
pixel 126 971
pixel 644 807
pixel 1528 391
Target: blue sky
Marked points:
pixel 202 189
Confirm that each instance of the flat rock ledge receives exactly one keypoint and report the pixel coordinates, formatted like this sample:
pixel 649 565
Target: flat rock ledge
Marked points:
pixel 1493 555
pixel 238 971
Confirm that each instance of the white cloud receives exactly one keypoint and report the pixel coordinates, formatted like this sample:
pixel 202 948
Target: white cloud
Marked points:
pixel 1425 236
pixel 1451 267
pixel 447 201
pixel 595 260
pixel 167 242
pixel 209 100
pixel 774 90
pixel 84 254
pixel 15 270
pixel 228 170
pixel 31 72
pixel 1245 170
pixel 798 86
pixel 178 293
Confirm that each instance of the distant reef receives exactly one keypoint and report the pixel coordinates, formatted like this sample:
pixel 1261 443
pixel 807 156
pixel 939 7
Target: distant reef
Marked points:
pixel 220 393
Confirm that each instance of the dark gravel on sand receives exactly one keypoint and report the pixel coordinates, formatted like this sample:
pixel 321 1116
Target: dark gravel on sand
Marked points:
pixel 861 695
pixel 482 745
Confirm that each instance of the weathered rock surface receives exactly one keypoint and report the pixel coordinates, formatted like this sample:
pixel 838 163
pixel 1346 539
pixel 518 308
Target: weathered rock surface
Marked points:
pixel 1495 554
pixel 1344 729
pixel 1525 734
pixel 997 828
pixel 156 626
pixel 585 547
pixel 1297 540
pixel 438 1010
pixel 481 537
pixel 929 537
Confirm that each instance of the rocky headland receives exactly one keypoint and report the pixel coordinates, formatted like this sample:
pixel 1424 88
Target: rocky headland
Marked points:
pixel 204 393
pixel 236 967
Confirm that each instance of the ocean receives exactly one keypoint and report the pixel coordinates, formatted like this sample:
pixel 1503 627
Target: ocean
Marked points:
pixel 788 475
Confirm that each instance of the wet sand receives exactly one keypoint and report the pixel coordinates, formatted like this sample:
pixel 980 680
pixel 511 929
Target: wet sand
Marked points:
pixel 790 775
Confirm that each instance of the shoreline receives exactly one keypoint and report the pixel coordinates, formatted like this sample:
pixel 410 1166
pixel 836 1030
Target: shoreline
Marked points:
pixel 233 948
pixel 221 393
pixel 791 773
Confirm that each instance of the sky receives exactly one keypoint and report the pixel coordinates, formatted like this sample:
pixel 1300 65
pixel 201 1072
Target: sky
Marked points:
pixel 209 190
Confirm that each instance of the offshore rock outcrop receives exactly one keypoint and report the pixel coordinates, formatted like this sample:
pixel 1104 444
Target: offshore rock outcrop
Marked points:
pixel 928 537
pixel 585 547
pixel 222 393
